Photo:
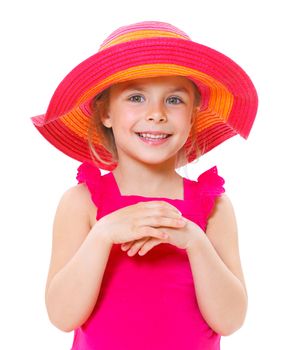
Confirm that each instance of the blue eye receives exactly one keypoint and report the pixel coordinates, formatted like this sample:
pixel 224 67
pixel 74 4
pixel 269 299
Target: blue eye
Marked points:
pixel 175 100
pixel 136 98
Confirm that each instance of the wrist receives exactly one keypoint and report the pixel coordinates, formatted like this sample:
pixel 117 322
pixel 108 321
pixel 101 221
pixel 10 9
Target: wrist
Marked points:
pixel 101 234
pixel 196 243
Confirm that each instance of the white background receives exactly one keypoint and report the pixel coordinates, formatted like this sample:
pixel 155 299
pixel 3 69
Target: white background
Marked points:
pixel 40 43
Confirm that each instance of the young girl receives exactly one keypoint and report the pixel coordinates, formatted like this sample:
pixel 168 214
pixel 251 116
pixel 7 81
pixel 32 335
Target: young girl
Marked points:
pixel 143 258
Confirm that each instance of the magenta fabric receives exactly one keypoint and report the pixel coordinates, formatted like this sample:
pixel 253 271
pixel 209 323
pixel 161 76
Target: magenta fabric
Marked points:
pixel 148 302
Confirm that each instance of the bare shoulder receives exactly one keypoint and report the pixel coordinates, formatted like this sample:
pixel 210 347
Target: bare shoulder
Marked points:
pixel 77 197
pixel 80 197
pixel 222 231
pixel 222 214
pixel 72 223
pixel 77 200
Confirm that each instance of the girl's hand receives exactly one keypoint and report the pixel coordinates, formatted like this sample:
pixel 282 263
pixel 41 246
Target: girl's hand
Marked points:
pixel 182 238
pixel 139 221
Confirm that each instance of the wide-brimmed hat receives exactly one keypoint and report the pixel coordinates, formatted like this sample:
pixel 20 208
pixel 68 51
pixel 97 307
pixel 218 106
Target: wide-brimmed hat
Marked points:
pixel 149 49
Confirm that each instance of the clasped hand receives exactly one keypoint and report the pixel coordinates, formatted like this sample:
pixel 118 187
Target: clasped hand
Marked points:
pixel 141 226
pixel 183 236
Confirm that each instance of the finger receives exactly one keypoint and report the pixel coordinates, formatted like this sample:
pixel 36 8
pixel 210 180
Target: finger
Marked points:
pixel 167 207
pixel 165 222
pixel 150 231
pixel 145 246
pixel 148 246
pixel 136 247
pixel 128 245
pixel 161 217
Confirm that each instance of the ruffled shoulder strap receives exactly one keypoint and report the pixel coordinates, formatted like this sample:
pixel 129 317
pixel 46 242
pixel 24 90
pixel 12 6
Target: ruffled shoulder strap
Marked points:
pixel 210 186
pixel 89 174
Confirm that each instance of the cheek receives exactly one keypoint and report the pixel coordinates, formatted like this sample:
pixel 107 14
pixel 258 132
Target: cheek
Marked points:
pixel 183 124
pixel 125 127
pixel 123 118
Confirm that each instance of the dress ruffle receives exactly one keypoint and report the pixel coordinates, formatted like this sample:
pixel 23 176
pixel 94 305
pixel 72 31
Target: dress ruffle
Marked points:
pixel 210 186
pixel 91 175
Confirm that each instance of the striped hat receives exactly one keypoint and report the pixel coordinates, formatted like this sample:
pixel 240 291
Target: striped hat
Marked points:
pixel 149 49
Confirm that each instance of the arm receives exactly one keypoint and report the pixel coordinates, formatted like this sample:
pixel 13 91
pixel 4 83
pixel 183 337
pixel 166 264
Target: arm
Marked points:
pixel 217 273
pixel 78 261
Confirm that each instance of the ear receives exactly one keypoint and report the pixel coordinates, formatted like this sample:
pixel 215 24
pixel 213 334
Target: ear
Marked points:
pixel 107 122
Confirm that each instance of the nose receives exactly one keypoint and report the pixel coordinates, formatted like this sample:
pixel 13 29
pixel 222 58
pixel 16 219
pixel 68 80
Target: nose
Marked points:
pixel 157 112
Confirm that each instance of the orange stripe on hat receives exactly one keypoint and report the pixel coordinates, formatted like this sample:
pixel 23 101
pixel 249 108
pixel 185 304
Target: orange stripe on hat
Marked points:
pixel 141 34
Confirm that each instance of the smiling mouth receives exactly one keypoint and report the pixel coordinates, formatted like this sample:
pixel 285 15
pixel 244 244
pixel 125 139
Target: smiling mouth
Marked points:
pixel 153 136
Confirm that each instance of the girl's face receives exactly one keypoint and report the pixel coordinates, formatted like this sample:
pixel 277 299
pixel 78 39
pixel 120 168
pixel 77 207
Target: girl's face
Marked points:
pixel 161 104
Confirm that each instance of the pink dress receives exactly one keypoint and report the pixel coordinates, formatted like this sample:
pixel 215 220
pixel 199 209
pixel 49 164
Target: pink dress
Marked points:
pixel 148 302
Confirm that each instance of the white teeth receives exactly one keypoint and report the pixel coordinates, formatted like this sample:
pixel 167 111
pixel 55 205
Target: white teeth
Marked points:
pixel 150 136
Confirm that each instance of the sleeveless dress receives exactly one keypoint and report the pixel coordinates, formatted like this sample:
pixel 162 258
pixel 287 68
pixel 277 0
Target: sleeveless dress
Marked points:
pixel 148 302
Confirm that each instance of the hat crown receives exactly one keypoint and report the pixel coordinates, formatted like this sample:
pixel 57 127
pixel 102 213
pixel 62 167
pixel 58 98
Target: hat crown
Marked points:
pixel 143 30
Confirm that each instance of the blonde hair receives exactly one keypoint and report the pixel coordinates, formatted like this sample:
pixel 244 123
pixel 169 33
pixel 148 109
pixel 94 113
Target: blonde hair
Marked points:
pixel 100 105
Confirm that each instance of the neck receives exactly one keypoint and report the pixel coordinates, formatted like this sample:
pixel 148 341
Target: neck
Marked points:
pixel 146 179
